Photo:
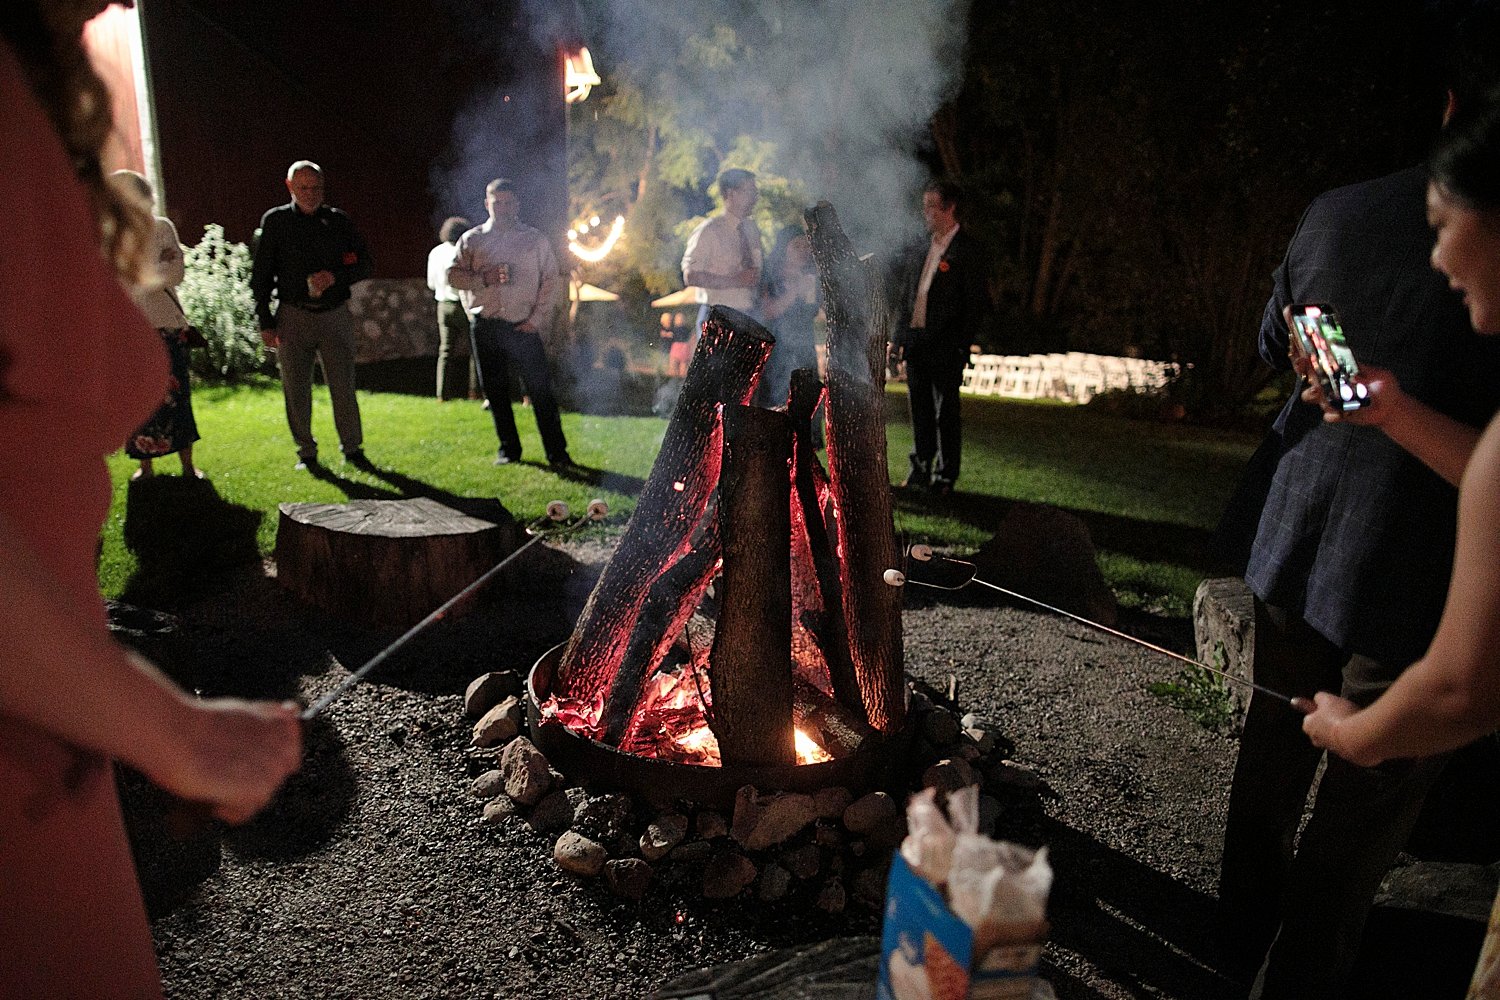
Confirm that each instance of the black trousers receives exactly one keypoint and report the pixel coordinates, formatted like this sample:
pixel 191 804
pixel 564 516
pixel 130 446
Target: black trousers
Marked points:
pixel 932 385
pixel 498 346
pixel 1297 917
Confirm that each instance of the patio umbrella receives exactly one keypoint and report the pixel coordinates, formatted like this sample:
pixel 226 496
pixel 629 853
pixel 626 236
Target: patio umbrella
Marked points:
pixel 689 296
pixel 584 292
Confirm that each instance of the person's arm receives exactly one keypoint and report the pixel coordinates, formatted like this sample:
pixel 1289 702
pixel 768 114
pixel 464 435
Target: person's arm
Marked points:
pixel 60 672
pixel 1442 443
pixel 265 260
pixel 464 273
pixel 546 293
pixel 171 264
pixel 693 272
pixel 357 263
pixel 1275 337
pixel 436 269
pixel 1451 696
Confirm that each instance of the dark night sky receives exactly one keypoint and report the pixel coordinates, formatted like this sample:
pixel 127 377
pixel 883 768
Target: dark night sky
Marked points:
pixel 1338 89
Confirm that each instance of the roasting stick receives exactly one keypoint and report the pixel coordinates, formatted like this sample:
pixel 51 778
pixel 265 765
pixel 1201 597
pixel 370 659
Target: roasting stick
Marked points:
pixel 186 819
pixel 924 553
pixel 557 511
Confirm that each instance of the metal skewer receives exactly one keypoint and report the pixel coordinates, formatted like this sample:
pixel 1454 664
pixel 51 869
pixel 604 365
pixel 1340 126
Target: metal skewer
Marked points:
pixel 557 512
pixel 924 553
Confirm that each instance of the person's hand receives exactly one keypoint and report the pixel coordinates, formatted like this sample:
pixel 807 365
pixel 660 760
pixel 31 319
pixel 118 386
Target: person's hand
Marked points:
pixel 1385 397
pixel 319 282
pixel 270 338
pixel 1327 711
pixel 235 755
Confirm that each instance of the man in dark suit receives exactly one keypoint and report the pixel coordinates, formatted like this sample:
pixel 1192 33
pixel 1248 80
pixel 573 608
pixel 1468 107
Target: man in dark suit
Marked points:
pixel 1349 568
pixel 942 304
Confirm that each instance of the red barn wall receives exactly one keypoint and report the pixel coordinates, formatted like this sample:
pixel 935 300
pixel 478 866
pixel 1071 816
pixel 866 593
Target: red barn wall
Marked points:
pixel 369 90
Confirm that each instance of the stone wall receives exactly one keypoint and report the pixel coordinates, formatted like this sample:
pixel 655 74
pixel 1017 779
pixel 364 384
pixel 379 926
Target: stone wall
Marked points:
pixel 396 318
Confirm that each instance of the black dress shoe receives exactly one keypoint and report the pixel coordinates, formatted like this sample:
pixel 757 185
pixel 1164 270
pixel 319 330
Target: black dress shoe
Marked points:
pixel 357 459
pixel 504 460
pixel 563 461
pixel 915 481
pixel 941 487
pixel 306 462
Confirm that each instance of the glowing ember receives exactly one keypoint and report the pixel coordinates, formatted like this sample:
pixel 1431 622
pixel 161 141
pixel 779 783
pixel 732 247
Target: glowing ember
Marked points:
pixel 808 751
pixel 669 724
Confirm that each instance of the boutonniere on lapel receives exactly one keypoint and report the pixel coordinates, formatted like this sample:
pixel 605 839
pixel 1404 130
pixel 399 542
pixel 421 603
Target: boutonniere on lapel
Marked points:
pixel 943 265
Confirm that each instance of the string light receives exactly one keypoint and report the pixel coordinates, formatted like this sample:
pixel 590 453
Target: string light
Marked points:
pixel 593 255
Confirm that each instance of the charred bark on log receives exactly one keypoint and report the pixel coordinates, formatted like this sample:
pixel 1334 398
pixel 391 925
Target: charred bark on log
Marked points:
pixel 828 723
pixel 810 485
pixel 668 605
pixel 750 670
pixel 857 336
pixel 726 365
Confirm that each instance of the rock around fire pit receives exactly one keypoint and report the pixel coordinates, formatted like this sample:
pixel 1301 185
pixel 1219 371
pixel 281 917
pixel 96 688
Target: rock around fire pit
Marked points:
pixel 826 847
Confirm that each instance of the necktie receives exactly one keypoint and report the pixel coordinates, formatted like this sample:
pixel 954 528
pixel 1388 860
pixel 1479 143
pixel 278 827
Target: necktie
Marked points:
pixel 747 256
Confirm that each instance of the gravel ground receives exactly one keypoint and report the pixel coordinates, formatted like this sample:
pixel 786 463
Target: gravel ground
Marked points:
pixel 373 875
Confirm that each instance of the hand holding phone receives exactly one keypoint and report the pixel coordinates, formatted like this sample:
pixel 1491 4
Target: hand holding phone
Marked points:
pixel 1318 334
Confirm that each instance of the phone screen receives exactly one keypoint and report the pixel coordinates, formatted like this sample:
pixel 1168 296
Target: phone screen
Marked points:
pixel 1322 338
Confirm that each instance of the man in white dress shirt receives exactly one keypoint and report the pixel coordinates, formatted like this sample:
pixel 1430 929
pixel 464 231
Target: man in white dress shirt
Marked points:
pixel 724 253
pixel 508 279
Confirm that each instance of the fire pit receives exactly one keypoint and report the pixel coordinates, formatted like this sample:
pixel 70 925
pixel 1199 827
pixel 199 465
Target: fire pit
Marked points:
pixel 748 628
pixel 660 778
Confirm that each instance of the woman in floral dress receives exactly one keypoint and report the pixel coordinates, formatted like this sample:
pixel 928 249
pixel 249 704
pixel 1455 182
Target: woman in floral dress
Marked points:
pixel 172 427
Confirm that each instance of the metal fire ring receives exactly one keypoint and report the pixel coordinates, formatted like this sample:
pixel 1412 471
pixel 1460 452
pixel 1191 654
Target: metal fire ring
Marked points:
pixel 662 781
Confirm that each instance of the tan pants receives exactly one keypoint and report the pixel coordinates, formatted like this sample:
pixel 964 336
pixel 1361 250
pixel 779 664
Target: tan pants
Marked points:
pixel 305 337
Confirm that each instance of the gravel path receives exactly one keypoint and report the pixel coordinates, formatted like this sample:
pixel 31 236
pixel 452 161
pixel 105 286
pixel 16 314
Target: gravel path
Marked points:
pixel 373 875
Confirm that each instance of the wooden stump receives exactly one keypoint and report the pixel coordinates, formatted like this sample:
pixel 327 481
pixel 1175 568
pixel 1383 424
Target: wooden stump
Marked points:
pixel 388 563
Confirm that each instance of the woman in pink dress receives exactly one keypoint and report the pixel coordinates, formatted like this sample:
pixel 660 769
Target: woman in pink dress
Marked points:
pixel 79 368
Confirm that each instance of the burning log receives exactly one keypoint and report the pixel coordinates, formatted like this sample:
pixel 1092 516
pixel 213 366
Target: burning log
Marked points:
pixel 823 719
pixel 828 628
pixel 857 337
pixel 728 360
pixel 750 669
pixel 668 605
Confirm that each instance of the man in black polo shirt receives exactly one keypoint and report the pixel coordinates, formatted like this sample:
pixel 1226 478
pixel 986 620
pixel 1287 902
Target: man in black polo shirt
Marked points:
pixel 309 254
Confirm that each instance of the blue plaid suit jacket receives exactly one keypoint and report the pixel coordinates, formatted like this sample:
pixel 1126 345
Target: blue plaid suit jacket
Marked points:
pixel 1355 534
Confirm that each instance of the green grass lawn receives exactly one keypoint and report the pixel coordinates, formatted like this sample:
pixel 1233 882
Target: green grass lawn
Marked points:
pixel 1149 492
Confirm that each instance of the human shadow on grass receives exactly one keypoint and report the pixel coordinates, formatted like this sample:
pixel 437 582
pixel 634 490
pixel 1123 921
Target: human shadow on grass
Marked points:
pixel 352 488
pixel 1152 541
pixel 407 487
pixel 183 533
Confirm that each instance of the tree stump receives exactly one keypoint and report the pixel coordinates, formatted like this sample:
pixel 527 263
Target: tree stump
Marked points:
pixel 388 563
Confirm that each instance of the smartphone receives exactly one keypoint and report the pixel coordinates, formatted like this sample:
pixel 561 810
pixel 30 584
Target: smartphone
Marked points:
pixel 1321 338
